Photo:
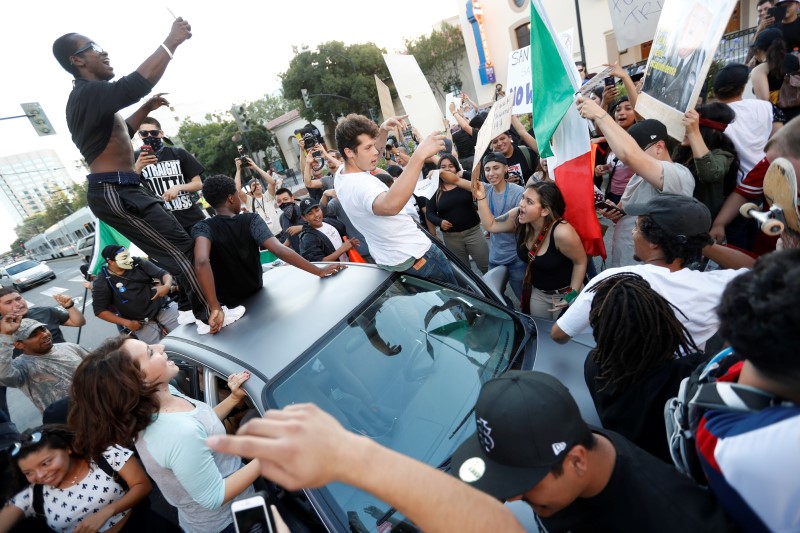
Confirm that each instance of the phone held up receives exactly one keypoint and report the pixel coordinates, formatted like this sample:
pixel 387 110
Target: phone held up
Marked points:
pixel 250 515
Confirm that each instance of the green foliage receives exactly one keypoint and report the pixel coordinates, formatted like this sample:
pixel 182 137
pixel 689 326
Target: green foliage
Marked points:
pixel 438 56
pixel 213 146
pixel 31 226
pixel 334 68
pixel 270 107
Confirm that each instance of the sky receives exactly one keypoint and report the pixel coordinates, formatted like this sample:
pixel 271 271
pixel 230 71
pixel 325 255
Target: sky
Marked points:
pixel 235 54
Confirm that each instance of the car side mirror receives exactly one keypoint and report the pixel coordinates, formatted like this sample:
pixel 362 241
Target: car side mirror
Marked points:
pixel 495 279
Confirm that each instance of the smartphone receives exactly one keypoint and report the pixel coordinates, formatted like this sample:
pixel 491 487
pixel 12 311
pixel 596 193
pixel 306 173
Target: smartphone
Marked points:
pixel 603 205
pixel 147 149
pixel 250 515
pixel 609 81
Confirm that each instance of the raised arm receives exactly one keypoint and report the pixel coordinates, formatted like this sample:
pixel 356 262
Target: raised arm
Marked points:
pixel 505 223
pixel 154 66
pixel 462 122
pixel 627 82
pixel 526 137
pixel 75 318
pixel 237 180
pixel 308 181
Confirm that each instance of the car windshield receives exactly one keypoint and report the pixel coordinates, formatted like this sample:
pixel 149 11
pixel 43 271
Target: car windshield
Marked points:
pixel 21 267
pixel 406 372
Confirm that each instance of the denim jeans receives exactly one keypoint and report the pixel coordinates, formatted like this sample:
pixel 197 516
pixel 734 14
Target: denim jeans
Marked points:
pixel 516 275
pixel 436 267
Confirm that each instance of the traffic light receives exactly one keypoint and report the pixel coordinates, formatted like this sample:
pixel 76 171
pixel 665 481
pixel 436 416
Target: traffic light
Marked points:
pixel 36 115
pixel 240 115
pixel 306 99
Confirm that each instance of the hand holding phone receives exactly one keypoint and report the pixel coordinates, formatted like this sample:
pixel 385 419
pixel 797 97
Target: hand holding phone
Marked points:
pixel 250 515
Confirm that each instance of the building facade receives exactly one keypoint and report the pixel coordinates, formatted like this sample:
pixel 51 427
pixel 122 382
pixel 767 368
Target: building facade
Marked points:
pixel 29 180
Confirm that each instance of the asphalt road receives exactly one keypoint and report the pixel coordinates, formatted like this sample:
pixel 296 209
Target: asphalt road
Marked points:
pixel 68 280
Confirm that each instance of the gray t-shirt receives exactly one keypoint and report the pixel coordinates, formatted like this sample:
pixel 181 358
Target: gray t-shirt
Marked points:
pixel 503 246
pixel 44 379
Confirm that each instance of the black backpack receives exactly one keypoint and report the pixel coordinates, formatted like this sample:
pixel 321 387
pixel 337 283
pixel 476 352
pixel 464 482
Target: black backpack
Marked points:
pixel 699 393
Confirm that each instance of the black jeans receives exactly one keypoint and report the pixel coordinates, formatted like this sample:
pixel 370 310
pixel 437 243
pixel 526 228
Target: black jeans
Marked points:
pixel 141 217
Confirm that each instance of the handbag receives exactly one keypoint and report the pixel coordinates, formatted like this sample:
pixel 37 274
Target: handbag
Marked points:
pixel 789 95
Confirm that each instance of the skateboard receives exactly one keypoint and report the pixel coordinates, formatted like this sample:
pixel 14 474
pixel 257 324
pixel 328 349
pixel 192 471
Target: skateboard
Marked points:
pixel 780 190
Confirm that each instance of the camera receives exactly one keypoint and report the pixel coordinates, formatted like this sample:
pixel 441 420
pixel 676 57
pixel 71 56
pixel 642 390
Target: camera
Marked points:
pixel 243 156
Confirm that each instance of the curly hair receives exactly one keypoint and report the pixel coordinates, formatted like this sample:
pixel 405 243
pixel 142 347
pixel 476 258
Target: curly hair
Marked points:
pixel 759 318
pixel 111 402
pixel 349 129
pixel 714 139
pixel 673 246
pixel 635 330
pixel 217 189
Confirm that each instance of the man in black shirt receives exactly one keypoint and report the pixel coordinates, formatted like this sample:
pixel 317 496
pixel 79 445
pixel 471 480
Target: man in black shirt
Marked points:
pixel 522 161
pixel 115 193
pixel 126 284
pixel 291 220
pixel 171 173
pixel 532 445
pixel 790 24
pixel 226 251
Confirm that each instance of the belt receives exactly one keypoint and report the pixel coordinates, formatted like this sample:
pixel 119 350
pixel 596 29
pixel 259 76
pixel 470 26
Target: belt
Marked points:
pixel 118 178
pixel 565 290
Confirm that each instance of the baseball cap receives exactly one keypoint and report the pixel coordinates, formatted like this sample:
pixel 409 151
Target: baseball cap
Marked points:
pixel 26 328
pixel 675 213
pixel 648 132
pixel 111 251
pixel 732 75
pixel 527 422
pixel 307 205
pixel 494 156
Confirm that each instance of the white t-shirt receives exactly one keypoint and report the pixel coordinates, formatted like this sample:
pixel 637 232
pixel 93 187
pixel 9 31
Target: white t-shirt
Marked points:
pixel 392 239
pixel 333 236
pixel 695 294
pixel 65 508
pixel 265 208
pixel 750 132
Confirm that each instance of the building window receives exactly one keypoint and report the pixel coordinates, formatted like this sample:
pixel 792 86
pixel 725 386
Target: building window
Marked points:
pixel 523 34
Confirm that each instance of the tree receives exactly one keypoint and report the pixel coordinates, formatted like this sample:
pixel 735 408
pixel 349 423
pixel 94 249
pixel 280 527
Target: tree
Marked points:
pixel 347 72
pixel 31 226
pixel 79 191
pixel 213 146
pixel 438 56
pixel 270 107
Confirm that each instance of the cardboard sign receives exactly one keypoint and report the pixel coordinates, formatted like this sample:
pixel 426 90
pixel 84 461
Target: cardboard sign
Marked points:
pixel 497 121
pixel 385 98
pixel 634 21
pixel 415 93
pixel 688 34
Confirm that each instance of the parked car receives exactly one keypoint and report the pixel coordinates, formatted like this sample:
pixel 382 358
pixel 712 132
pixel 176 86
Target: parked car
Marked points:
pixel 22 275
pixel 394 357
pixel 85 246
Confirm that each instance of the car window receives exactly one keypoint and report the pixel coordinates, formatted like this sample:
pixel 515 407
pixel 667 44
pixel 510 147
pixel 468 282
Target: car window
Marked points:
pixel 189 378
pixel 405 371
pixel 21 267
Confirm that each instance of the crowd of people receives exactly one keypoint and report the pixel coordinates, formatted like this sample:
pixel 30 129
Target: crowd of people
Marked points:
pixel 695 297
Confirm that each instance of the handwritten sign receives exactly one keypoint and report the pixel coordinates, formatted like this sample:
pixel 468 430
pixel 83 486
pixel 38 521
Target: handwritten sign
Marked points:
pixel 415 93
pixel 385 98
pixel 634 21
pixel 519 78
pixel 497 121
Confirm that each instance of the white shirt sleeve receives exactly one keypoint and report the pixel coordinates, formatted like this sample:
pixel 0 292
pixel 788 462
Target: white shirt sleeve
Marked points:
pixel 368 190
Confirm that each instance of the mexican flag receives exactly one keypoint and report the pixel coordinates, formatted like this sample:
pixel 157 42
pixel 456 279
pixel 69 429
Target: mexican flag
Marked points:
pixel 556 118
pixel 103 236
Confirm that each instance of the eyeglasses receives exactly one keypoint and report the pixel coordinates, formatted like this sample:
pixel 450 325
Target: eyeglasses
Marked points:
pixel 33 438
pixel 91 46
pixel 149 133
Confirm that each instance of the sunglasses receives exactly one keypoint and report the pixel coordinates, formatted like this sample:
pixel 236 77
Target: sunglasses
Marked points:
pixel 149 133
pixel 33 438
pixel 91 46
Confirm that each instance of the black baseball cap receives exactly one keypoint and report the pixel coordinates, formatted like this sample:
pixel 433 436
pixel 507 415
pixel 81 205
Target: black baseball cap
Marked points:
pixel 679 215
pixel 494 156
pixel 307 205
pixel 527 422
pixel 648 132
pixel 111 251
pixel 731 75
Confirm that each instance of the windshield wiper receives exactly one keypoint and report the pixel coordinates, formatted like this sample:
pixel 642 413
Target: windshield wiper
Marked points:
pixel 391 511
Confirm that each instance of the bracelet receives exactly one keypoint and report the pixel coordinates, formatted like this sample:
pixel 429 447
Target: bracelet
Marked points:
pixel 72 304
pixel 164 46
pixel 479 199
pixel 604 116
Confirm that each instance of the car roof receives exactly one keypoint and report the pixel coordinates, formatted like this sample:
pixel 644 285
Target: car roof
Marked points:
pixel 19 262
pixel 285 318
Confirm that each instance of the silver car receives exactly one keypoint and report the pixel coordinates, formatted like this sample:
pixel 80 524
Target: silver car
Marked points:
pixel 22 275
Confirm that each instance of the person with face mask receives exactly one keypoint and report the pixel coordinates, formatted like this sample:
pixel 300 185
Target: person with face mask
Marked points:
pixel 126 284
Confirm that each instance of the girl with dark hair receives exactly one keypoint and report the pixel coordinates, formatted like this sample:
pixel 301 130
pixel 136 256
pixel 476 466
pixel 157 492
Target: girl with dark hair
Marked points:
pixel 75 492
pixel 452 209
pixel 775 64
pixel 549 245
pixel 617 173
pixel 122 394
pixel 709 154
pixel 633 370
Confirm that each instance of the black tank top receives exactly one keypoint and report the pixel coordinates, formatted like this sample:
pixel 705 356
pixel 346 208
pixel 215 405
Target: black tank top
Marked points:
pixel 550 271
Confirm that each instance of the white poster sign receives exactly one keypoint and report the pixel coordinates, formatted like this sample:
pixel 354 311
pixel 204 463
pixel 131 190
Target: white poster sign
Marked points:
pixel 385 98
pixel 519 79
pixel 448 99
pixel 428 187
pixel 497 121
pixel 415 93
pixel 634 21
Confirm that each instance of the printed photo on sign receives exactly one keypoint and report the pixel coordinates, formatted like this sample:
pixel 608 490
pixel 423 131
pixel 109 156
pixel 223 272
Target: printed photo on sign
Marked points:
pixel 688 34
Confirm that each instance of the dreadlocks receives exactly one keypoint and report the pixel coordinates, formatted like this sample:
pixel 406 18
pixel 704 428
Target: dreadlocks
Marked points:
pixel 635 330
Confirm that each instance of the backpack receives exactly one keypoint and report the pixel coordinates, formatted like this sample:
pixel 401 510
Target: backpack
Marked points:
pixel 102 462
pixel 699 393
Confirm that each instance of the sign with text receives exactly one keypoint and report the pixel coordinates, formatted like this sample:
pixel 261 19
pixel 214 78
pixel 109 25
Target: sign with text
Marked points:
pixel 497 121
pixel 519 79
pixel 687 37
pixel 415 93
pixel 385 98
pixel 634 21
pixel 427 187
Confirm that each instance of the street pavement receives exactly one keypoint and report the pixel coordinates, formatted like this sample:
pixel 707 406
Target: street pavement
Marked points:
pixel 69 281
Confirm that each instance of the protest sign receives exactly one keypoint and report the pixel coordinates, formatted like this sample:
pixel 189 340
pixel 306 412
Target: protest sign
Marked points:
pixel 497 121
pixel 634 21
pixel 428 187
pixel 687 37
pixel 415 93
pixel 519 79
pixel 448 99
pixel 385 98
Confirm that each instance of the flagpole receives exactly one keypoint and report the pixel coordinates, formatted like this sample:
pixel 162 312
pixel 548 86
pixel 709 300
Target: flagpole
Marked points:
pixel 580 31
